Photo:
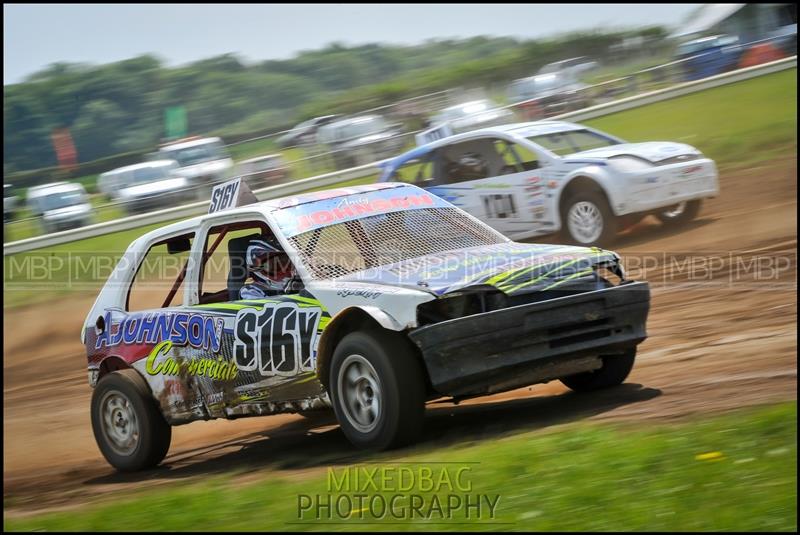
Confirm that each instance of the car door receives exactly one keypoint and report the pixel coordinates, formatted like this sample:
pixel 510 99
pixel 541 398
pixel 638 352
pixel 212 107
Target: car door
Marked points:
pixel 163 338
pixel 435 176
pixel 271 342
pixel 506 198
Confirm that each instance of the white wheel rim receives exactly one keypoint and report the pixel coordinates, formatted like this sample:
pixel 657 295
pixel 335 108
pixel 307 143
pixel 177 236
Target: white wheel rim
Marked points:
pixel 585 222
pixel 119 423
pixel 675 211
pixel 360 394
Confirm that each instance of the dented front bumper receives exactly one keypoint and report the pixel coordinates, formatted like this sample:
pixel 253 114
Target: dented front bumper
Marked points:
pixel 525 344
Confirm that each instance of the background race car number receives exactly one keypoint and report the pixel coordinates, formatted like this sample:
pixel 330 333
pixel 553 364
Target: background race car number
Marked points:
pixel 500 206
pixel 277 340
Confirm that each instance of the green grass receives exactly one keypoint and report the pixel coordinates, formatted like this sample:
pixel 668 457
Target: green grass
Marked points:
pixel 611 72
pixel 731 472
pixel 251 149
pixel 740 123
pixel 737 125
pixel 24 226
pixel 71 268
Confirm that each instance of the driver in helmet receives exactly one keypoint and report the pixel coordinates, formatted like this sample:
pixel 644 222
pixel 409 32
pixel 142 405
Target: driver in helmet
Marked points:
pixel 469 166
pixel 269 267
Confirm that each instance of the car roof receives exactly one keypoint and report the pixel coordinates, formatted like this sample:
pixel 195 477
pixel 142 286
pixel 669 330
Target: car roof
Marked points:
pixel 191 143
pixel 522 129
pixel 705 39
pixel 352 120
pixel 55 187
pixel 142 165
pixel 266 207
pixel 260 158
pixel 469 103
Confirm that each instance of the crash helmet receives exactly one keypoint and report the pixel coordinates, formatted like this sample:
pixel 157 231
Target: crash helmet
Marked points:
pixel 268 264
pixel 469 166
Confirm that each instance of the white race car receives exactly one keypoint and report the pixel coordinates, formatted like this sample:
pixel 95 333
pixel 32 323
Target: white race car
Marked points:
pixel 530 179
pixel 398 297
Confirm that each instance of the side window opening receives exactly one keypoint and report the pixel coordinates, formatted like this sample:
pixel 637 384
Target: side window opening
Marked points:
pixel 417 171
pixel 511 163
pixel 469 160
pixel 159 279
pixel 224 270
pixel 526 157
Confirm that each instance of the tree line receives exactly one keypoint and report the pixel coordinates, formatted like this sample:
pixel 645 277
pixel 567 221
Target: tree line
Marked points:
pixel 119 107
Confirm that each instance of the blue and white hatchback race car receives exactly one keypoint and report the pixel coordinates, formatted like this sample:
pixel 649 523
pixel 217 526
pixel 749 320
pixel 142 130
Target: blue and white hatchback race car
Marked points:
pixel 531 179
pixel 395 297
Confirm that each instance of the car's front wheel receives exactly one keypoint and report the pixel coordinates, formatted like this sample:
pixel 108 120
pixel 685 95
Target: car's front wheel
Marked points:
pixel 588 220
pixel 614 371
pixel 681 213
pixel 377 388
pixel 128 426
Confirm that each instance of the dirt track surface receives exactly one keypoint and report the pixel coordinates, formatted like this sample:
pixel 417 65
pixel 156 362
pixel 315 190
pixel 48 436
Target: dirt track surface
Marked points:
pixel 719 339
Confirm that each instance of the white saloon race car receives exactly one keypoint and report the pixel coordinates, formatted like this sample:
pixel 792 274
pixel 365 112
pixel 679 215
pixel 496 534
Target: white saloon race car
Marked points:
pixel 530 179
pixel 397 298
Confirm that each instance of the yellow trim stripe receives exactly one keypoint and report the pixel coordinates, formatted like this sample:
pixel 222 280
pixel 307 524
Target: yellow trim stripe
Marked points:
pixel 531 282
pixel 565 279
pixel 224 306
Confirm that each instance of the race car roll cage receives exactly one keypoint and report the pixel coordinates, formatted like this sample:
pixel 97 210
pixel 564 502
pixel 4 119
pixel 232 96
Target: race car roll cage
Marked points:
pixel 221 231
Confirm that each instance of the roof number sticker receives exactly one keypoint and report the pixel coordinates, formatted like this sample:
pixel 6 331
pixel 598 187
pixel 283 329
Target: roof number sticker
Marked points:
pixel 230 194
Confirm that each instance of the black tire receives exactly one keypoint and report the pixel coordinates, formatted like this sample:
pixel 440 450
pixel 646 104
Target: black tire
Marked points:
pixel 690 211
pixel 401 389
pixel 614 372
pixel 608 223
pixel 155 433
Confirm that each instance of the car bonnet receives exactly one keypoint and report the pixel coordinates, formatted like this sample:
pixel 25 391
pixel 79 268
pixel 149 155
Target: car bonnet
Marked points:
pixel 509 267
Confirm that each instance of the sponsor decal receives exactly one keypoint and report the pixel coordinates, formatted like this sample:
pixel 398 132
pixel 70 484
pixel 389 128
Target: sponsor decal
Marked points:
pixel 180 328
pixel 159 363
pixel 499 206
pixel 288 202
pixel 278 340
pixel 491 186
pixel 363 208
pixel 692 169
pixel 315 214
pixel 361 292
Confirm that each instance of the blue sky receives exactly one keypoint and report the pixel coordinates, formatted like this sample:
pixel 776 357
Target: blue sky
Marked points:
pixel 36 35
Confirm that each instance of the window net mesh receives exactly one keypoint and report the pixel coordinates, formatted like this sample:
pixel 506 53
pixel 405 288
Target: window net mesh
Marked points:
pixel 378 240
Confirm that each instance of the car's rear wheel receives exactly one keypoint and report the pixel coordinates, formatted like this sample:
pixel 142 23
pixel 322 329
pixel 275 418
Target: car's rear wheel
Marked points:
pixel 681 213
pixel 588 220
pixel 128 426
pixel 377 387
pixel 614 371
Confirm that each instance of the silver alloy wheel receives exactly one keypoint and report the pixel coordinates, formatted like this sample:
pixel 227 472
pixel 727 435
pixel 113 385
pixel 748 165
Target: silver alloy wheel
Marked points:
pixel 585 222
pixel 675 210
pixel 119 423
pixel 359 390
